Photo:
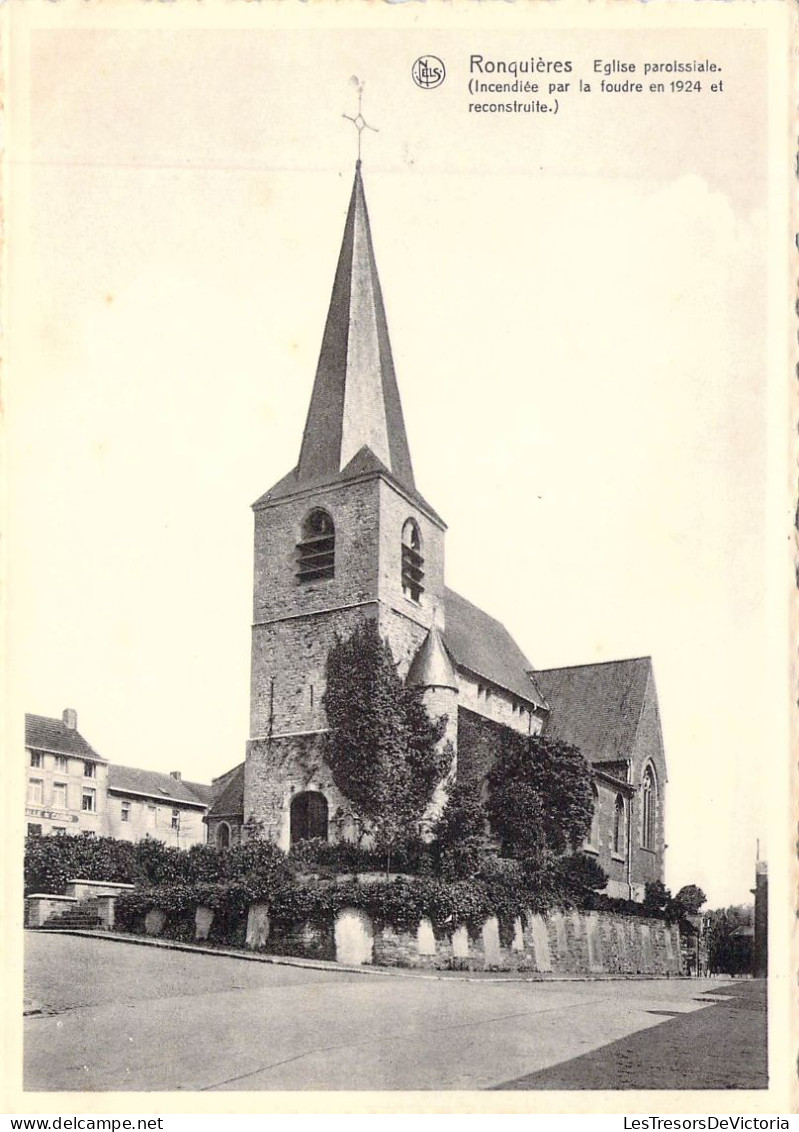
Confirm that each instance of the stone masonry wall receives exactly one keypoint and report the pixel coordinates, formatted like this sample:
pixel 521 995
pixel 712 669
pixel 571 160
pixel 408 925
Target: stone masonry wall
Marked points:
pixel 278 769
pixel 294 654
pixel 395 509
pixel 558 944
pixel 600 841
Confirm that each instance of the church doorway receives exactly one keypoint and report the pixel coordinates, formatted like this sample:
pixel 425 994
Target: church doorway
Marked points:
pixel 308 816
pixel 223 835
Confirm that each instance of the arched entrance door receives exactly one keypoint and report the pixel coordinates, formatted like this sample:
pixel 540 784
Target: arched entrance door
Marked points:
pixel 223 835
pixel 308 816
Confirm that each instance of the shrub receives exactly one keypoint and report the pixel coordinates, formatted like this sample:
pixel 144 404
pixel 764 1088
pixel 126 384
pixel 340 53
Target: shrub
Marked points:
pixel 460 833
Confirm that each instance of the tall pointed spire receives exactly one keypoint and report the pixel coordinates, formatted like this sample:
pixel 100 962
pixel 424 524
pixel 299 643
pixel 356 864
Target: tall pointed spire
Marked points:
pixel 355 400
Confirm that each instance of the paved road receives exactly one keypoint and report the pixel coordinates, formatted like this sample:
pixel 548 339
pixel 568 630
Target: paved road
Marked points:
pixel 118 1017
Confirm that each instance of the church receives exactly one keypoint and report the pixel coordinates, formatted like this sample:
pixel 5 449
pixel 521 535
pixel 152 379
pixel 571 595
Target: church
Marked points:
pixel 346 536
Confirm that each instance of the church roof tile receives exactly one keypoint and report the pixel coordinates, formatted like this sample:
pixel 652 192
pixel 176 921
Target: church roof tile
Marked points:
pixel 597 707
pixel 484 646
pixel 230 803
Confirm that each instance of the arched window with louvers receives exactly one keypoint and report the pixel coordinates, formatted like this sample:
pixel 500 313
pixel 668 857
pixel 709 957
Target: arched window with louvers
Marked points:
pixel 316 550
pixel 412 561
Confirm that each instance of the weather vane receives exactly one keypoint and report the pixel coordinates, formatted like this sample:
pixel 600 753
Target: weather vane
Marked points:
pixel 358 121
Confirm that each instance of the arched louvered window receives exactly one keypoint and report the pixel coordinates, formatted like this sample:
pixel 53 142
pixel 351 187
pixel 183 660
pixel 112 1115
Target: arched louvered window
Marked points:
pixel 619 826
pixel 649 803
pixel 412 561
pixel 316 551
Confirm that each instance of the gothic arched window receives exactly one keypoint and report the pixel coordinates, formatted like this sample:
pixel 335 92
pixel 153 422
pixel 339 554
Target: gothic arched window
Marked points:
pixel 308 816
pixel 648 809
pixel 618 826
pixel 223 835
pixel 412 561
pixel 593 837
pixel 316 551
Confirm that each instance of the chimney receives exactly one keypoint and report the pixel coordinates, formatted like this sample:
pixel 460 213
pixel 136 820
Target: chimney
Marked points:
pixel 175 774
pixel 70 718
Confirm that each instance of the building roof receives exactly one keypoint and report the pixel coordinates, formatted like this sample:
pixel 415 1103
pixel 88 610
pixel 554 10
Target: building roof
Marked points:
pixel 431 667
pixel 363 463
pixel 597 707
pixel 45 734
pixel 484 646
pixel 355 400
pixel 151 784
pixel 201 790
pixel 230 803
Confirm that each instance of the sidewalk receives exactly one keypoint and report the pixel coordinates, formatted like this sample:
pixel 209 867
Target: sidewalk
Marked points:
pixel 723 1047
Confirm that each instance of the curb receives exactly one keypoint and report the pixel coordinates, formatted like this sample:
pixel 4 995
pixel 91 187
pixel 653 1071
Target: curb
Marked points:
pixel 343 968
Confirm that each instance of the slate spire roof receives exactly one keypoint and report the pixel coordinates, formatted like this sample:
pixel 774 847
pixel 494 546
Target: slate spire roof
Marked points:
pixel 355 401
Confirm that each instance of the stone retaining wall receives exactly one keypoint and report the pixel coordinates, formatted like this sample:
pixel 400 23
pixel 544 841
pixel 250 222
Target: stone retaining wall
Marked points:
pixel 556 944
pixel 560 943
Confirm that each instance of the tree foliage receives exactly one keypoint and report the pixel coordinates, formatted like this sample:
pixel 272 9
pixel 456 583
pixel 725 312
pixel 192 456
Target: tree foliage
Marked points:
pixel 539 802
pixel 690 899
pixel 460 833
pixel 52 861
pixel 727 953
pixel 382 747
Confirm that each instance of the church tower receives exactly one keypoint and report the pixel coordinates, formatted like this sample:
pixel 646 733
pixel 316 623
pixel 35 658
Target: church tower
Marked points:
pixel 345 536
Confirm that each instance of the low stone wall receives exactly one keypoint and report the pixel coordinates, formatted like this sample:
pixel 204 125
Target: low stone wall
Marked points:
pixel 560 943
pixel 40 906
pixel 556 944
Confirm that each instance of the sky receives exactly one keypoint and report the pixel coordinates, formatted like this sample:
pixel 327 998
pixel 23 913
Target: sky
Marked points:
pixel 577 305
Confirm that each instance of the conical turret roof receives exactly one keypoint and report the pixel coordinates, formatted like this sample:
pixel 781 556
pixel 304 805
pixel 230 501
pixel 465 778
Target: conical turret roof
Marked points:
pixel 355 401
pixel 431 667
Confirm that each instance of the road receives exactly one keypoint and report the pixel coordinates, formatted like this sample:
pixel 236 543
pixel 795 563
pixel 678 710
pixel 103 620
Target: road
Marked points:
pixel 115 1016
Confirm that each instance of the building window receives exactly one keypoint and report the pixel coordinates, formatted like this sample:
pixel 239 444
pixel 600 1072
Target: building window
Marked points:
pixel 316 552
pixel 62 763
pixel 618 826
pixel 59 830
pixel 89 770
pixel 89 802
pixel 34 830
pixel 412 561
pixel 59 795
pixel 223 835
pixel 126 811
pixel 35 791
pixel 176 819
pixel 648 810
pixel 593 837
pixel 36 758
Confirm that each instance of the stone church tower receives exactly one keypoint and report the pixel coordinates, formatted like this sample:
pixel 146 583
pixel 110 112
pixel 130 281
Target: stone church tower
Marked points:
pixel 345 537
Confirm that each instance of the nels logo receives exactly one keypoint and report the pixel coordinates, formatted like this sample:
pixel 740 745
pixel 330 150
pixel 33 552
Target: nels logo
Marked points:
pixel 428 72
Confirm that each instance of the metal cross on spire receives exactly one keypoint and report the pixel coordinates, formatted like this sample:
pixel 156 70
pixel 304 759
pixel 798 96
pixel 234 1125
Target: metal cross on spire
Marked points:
pixel 358 120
